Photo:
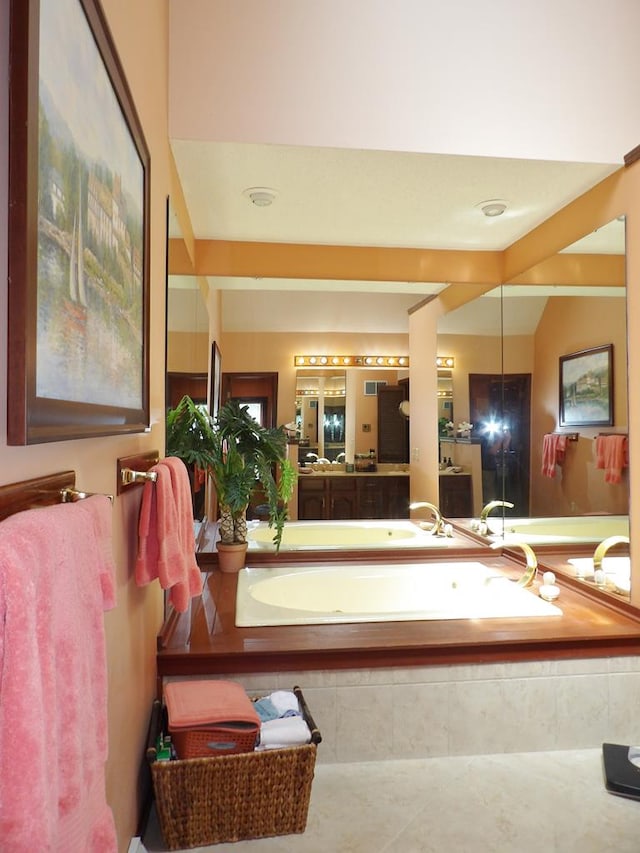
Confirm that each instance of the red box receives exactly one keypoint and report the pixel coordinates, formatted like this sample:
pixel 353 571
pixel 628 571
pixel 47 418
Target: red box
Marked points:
pixel 212 717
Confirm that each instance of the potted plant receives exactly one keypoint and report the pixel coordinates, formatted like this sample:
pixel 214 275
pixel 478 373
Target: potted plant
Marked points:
pixel 242 458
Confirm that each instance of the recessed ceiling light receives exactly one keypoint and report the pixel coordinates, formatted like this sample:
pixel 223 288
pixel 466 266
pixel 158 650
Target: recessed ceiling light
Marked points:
pixel 493 207
pixel 260 196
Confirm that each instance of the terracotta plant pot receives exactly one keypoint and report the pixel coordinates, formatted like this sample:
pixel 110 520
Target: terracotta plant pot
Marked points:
pixel 231 558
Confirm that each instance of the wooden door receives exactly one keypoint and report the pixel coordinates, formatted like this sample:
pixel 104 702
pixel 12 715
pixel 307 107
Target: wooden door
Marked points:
pixel 504 400
pixel 249 387
pixel 393 427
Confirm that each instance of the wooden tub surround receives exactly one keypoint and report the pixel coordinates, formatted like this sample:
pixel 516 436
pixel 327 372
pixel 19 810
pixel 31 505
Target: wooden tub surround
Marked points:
pixel 205 640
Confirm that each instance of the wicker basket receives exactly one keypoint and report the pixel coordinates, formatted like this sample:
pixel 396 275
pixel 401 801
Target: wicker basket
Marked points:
pixel 204 801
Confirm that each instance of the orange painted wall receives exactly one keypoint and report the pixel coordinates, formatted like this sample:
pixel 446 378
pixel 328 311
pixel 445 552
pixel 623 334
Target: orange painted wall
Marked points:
pixel 140 31
pixel 188 352
pixel 275 352
pixel 570 325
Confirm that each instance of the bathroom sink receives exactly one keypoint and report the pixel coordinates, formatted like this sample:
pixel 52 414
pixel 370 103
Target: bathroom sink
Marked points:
pixel 617 570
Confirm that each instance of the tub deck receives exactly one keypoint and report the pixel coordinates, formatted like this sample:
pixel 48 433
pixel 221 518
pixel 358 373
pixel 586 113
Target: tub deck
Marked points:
pixel 205 640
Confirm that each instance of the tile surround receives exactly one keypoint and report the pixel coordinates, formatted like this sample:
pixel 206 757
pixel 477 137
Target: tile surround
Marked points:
pixel 471 757
pixel 387 714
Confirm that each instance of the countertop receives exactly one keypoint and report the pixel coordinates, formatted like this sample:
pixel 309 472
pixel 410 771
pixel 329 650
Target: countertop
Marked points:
pixel 356 474
pixel 383 470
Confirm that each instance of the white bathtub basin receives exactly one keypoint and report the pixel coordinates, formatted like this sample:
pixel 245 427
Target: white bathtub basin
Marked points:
pixel 559 530
pixel 312 595
pixel 336 535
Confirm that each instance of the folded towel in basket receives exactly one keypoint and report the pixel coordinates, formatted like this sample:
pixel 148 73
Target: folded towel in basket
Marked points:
pixel 283 732
pixel 199 703
pixel 280 703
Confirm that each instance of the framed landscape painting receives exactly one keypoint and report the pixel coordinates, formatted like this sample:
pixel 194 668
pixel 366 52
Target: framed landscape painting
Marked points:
pixel 78 230
pixel 586 387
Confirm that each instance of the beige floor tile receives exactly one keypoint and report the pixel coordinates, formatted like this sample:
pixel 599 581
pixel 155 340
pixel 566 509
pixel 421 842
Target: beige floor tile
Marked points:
pixel 554 802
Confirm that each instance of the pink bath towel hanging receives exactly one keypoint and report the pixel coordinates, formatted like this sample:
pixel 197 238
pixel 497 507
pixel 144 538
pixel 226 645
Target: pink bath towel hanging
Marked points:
pixel 166 543
pixel 191 582
pixel 553 453
pixel 612 455
pixel 56 579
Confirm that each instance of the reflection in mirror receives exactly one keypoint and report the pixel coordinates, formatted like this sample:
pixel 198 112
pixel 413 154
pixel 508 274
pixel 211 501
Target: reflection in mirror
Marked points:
pixel 568 304
pixel 445 401
pixel 320 415
pixel 573 314
pixel 187 348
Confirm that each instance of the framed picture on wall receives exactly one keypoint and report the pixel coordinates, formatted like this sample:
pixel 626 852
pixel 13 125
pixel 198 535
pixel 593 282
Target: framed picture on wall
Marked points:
pixel 586 387
pixel 78 230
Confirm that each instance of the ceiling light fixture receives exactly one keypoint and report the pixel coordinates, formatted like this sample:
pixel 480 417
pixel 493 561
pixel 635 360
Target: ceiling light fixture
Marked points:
pixel 260 196
pixel 493 207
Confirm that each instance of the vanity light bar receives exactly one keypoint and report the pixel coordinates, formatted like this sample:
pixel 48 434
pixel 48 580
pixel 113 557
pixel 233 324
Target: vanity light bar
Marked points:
pixel 445 361
pixel 313 392
pixel 351 360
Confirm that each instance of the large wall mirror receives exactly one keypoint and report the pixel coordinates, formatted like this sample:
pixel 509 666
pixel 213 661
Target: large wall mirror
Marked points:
pixel 509 342
pixel 321 415
pixel 572 304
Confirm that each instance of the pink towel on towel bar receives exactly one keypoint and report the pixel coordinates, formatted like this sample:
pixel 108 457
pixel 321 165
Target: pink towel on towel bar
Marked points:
pixel 553 452
pixel 191 583
pixel 166 544
pixel 612 455
pixel 56 579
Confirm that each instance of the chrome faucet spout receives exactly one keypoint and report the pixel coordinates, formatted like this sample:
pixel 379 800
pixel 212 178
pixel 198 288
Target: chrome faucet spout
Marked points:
pixel 532 561
pixel 437 528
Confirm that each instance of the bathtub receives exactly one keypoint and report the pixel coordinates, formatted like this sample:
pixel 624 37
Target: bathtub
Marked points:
pixel 560 530
pixel 345 535
pixel 318 595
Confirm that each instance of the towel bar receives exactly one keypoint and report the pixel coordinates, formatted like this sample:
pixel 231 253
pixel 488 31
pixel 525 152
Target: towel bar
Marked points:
pixel 134 470
pixel 71 495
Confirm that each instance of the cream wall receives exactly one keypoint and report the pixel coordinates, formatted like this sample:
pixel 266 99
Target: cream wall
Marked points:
pixel 453 78
pixel 140 31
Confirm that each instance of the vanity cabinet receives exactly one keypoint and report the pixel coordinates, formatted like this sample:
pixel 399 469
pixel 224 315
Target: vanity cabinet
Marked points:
pixel 360 496
pixel 343 497
pixel 456 495
pixel 312 500
pixel 371 497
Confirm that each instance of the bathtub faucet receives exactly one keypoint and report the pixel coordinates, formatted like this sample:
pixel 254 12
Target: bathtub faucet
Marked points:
pixel 598 556
pixel 532 561
pixel 493 505
pixel 481 525
pixel 437 528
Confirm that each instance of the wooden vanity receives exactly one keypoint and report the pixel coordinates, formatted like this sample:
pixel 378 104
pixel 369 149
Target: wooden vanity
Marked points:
pixel 329 497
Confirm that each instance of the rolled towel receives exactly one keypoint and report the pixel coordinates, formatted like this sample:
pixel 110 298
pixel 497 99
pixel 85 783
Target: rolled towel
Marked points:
pixel 266 709
pixel 283 701
pixel 284 732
